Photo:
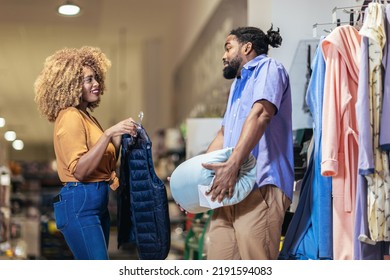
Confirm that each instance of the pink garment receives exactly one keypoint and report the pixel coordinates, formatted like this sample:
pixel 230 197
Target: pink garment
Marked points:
pixel 341 51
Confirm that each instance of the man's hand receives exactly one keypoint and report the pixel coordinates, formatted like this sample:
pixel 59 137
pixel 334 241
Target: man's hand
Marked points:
pixel 224 181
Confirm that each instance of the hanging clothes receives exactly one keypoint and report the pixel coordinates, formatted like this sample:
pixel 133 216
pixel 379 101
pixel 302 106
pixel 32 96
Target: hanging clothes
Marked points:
pixel 377 169
pixel 293 248
pixel 143 213
pixel 367 248
pixel 309 235
pixel 364 247
pixel 341 50
pixel 309 71
pixel 384 138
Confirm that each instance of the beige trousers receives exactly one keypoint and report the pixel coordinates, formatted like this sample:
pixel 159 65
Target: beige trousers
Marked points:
pixel 249 230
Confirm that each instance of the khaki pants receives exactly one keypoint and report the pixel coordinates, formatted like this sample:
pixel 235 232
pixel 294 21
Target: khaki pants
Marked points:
pixel 251 229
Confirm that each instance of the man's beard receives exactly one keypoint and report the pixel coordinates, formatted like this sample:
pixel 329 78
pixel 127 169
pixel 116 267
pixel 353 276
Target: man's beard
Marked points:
pixel 231 70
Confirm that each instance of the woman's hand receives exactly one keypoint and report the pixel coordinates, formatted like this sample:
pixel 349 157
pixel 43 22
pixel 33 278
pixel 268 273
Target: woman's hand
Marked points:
pixel 127 126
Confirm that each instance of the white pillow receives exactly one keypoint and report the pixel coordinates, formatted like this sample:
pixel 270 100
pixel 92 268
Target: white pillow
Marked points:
pixel 186 178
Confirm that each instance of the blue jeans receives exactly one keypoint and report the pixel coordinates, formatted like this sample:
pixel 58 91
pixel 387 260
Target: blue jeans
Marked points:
pixel 82 216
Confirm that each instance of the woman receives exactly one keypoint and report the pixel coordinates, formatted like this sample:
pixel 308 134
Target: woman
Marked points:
pixel 72 81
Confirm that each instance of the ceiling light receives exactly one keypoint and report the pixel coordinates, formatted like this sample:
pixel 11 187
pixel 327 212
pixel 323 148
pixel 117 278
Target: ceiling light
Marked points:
pixel 69 9
pixel 2 122
pixel 18 145
pixel 10 135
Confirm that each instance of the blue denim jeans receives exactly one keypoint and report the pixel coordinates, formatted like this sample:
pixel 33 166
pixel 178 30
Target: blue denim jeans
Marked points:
pixel 82 216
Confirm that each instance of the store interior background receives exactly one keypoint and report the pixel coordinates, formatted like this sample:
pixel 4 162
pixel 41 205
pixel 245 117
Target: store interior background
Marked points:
pixel 166 62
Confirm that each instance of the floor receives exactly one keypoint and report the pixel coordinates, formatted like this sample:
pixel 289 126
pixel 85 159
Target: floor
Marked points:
pixel 129 252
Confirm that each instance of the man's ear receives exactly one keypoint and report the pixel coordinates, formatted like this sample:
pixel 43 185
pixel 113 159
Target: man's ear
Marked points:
pixel 248 48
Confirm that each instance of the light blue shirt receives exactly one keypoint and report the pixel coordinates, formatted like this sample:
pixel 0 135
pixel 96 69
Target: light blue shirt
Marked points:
pixel 264 78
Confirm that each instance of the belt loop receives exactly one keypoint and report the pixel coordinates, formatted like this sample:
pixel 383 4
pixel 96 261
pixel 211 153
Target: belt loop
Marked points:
pixel 69 185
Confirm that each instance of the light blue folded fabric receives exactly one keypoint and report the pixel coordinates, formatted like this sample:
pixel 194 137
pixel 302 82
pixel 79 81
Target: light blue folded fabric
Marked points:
pixel 188 175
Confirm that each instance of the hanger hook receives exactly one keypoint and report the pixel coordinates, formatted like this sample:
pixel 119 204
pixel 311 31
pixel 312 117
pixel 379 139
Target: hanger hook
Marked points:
pixel 140 116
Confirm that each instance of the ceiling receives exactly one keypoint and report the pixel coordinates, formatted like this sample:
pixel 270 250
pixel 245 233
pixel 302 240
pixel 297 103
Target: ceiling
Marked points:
pixel 31 30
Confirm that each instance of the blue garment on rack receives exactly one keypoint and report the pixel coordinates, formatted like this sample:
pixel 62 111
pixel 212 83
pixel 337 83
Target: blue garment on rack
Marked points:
pixel 143 215
pixel 300 222
pixel 309 235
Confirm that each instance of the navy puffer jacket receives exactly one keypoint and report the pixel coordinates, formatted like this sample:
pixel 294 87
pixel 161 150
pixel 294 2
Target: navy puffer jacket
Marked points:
pixel 143 216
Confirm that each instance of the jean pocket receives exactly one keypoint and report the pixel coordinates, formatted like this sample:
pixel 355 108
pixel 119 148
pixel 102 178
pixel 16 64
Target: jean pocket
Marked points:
pixel 61 214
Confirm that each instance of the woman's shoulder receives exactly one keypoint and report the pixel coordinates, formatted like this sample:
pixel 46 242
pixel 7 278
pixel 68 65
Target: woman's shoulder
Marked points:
pixel 68 114
pixel 70 111
pixel 68 119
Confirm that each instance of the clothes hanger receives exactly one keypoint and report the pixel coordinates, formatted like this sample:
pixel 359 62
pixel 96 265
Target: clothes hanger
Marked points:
pixel 316 25
pixel 351 10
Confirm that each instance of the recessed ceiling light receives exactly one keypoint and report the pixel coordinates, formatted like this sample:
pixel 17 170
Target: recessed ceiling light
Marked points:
pixel 10 135
pixel 18 145
pixel 69 9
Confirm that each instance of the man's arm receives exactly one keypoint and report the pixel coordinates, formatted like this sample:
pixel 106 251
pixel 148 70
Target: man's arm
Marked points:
pixel 253 129
pixel 217 143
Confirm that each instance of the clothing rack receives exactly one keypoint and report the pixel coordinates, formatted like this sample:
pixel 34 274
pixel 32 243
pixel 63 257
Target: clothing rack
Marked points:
pixel 351 10
pixel 338 23
pixel 362 6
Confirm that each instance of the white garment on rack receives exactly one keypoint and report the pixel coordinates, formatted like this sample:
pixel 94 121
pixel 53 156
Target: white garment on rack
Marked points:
pixel 379 180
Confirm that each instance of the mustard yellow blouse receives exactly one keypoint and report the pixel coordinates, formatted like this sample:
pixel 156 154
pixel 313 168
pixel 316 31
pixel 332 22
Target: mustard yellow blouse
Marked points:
pixel 74 134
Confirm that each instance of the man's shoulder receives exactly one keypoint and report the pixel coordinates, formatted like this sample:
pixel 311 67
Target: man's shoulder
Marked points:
pixel 270 60
pixel 269 64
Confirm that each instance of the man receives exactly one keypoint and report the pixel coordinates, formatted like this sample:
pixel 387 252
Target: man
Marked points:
pixel 258 121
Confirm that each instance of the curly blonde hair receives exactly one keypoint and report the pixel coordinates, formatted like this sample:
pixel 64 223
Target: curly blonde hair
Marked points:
pixel 59 85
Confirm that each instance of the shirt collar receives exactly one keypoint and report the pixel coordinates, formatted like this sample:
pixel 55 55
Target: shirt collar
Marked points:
pixel 250 65
pixel 254 62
